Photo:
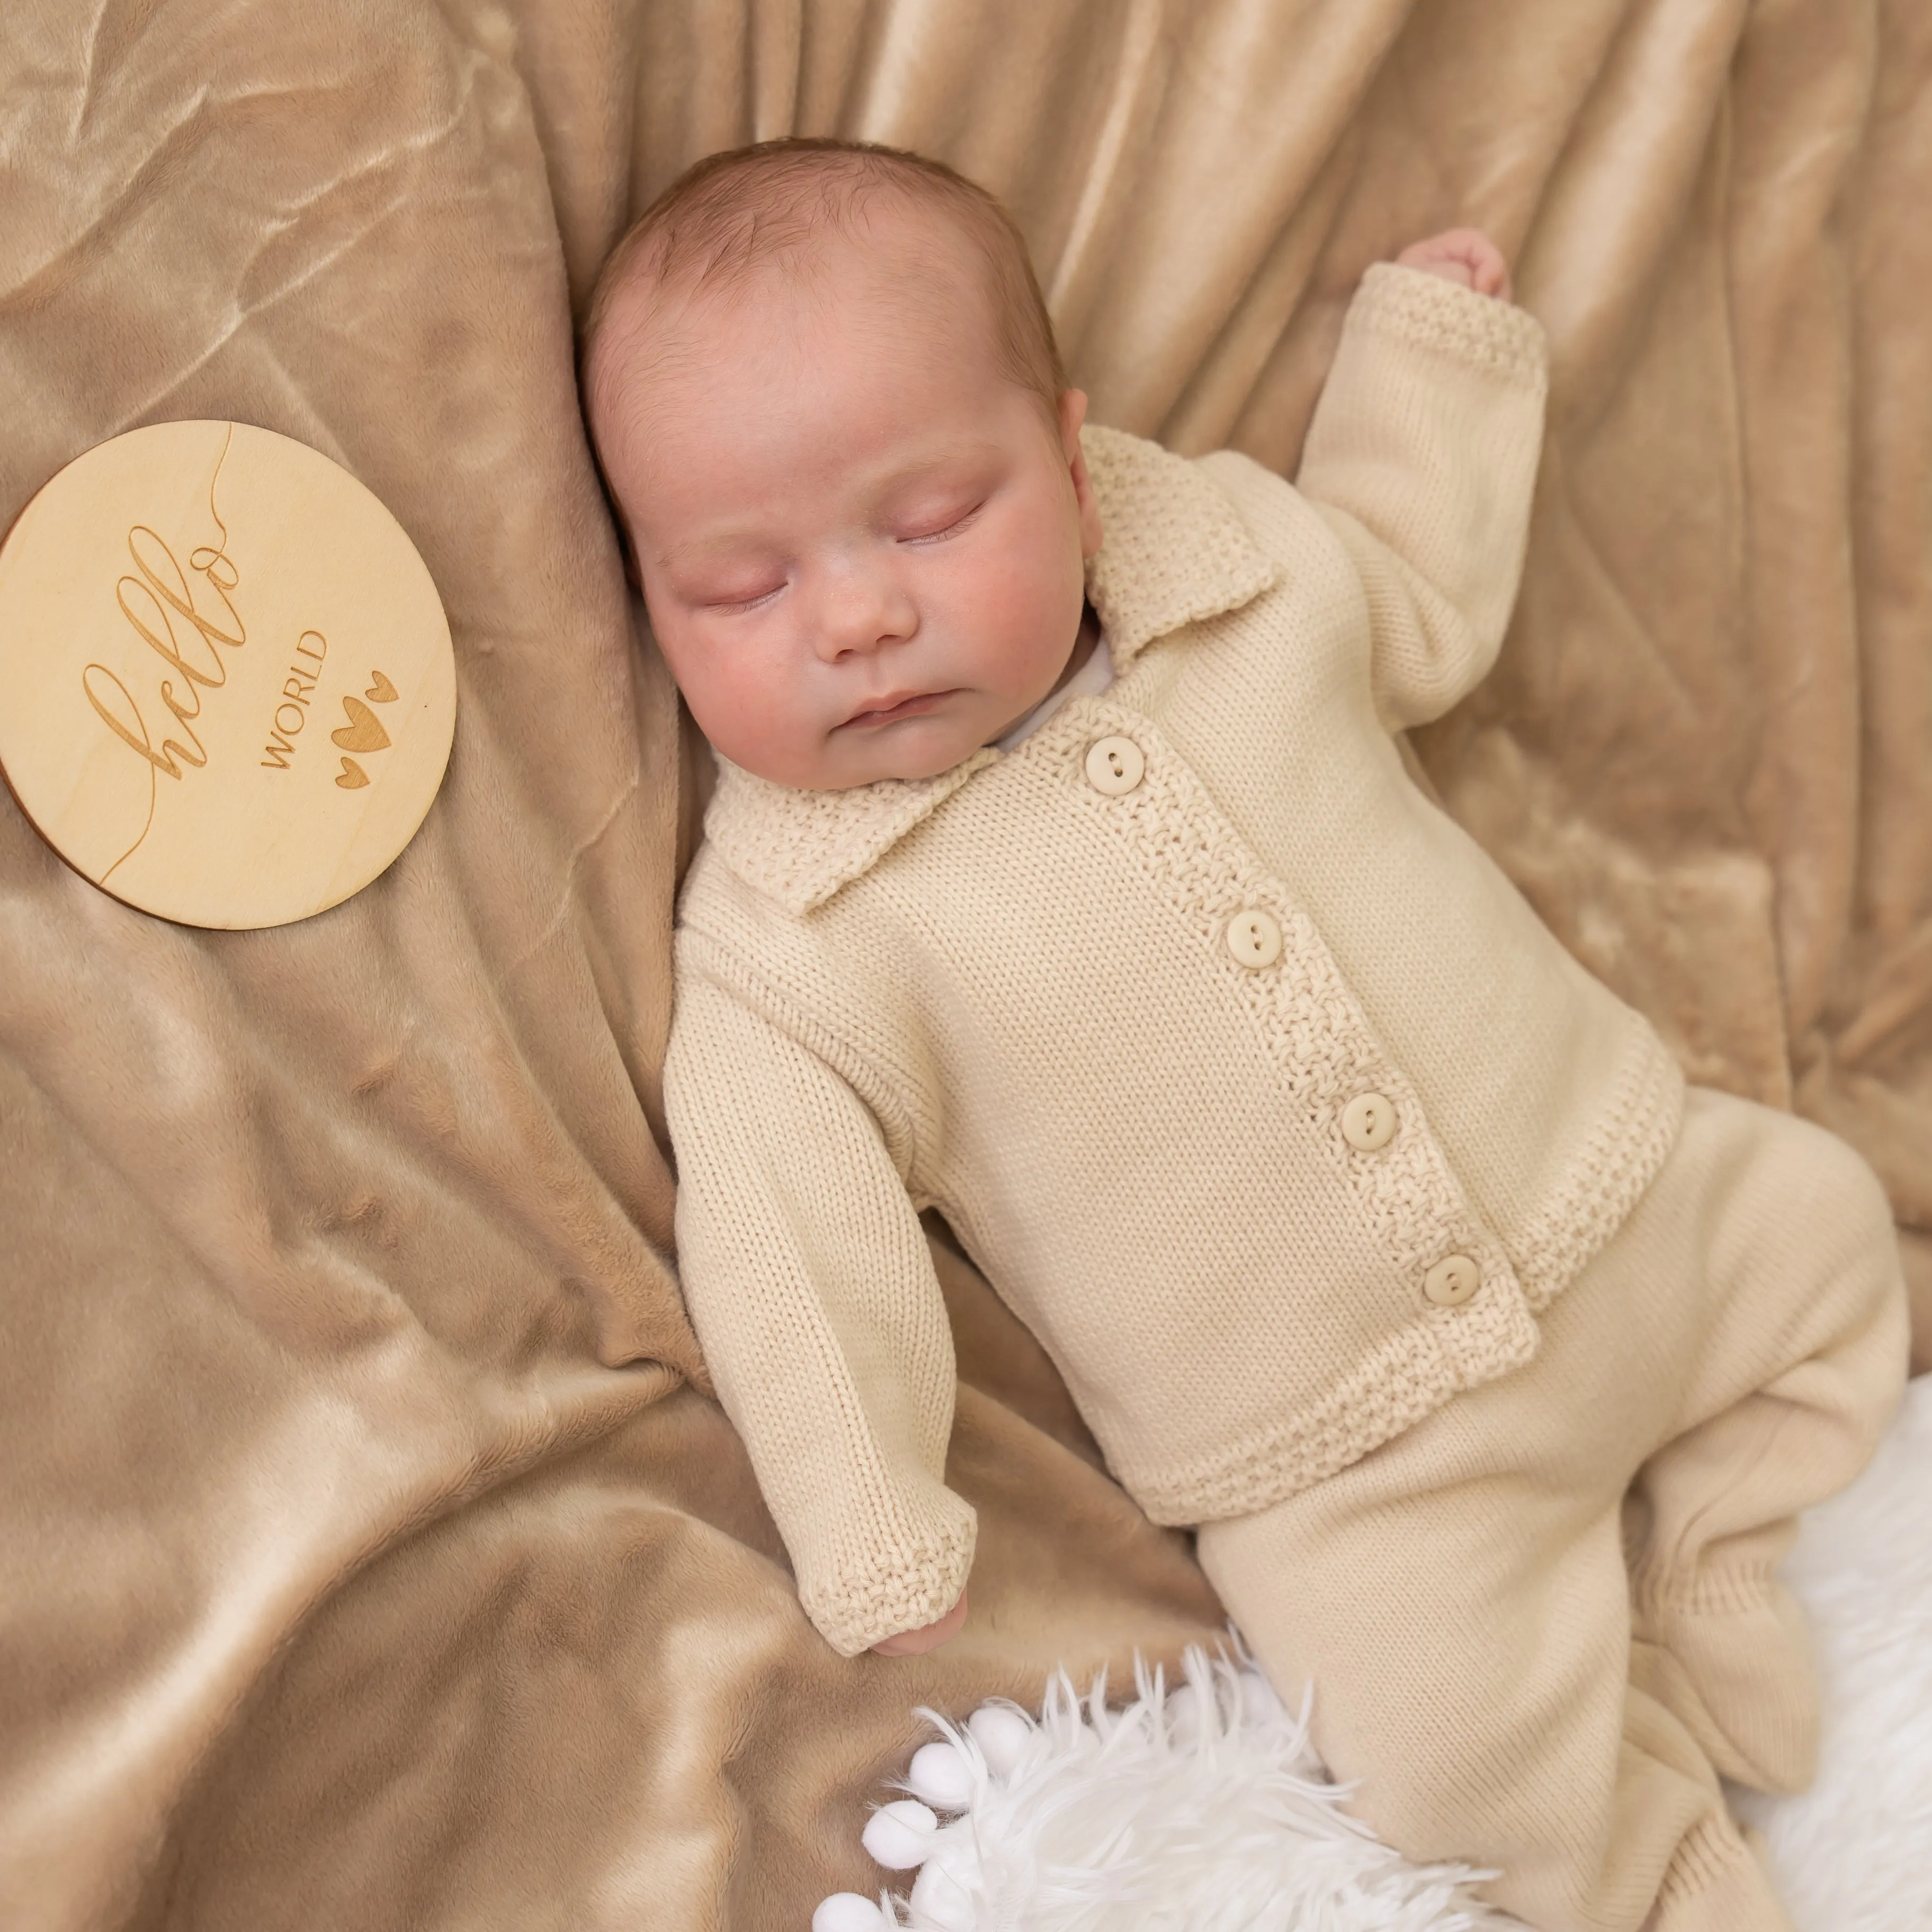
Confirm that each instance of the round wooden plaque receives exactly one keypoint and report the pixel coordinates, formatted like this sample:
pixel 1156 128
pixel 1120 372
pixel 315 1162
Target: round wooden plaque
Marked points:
pixel 226 688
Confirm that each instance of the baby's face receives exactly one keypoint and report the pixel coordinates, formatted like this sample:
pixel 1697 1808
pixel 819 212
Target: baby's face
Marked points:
pixel 860 541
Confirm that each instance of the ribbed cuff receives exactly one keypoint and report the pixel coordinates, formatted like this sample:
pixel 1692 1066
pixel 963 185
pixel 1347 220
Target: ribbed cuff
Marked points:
pixel 858 1605
pixel 1716 1883
pixel 1435 313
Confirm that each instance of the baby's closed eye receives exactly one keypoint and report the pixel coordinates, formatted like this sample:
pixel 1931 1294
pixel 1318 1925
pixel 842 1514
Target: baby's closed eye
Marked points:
pixel 748 601
pixel 933 525
pixel 733 589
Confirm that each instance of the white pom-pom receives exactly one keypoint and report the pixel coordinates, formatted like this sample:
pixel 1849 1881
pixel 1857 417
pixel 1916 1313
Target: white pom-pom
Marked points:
pixel 899 1835
pixel 940 1899
pixel 1002 1734
pixel 847 1912
pixel 941 1775
pixel 1205 1808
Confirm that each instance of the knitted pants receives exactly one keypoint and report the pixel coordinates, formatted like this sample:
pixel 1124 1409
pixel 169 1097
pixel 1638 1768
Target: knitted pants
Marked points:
pixel 1541 1623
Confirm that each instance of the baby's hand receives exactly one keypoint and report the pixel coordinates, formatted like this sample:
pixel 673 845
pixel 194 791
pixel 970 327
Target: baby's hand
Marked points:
pixel 930 1637
pixel 1464 255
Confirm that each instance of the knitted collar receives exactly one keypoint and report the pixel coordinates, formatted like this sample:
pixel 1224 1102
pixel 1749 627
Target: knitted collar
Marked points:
pixel 1175 552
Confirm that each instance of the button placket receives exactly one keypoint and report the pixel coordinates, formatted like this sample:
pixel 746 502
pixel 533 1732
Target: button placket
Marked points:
pixel 1253 938
pixel 1115 765
pixel 1452 1281
pixel 1311 1020
pixel 1369 1122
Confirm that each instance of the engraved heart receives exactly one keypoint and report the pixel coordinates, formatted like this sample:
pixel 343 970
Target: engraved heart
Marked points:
pixel 353 778
pixel 364 732
pixel 381 691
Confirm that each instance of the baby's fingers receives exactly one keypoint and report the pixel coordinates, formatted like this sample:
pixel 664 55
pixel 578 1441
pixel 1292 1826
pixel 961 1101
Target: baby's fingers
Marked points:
pixel 928 1636
pixel 1465 255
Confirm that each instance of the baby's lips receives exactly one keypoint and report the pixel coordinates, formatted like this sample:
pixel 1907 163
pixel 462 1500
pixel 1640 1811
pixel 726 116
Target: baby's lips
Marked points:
pixel 892 706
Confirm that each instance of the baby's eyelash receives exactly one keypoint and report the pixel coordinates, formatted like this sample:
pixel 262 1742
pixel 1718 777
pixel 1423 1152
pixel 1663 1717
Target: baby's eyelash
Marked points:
pixel 743 603
pixel 947 530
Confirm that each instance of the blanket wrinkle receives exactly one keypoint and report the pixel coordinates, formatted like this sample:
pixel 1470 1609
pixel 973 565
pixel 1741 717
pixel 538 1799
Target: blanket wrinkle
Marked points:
pixel 83 100
pixel 1626 185
pixel 1159 340
pixel 1133 55
pixel 1802 794
pixel 1897 996
pixel 295 216
pixel 369 1562
pixel 151 177
pixel 1672 679
pixel 571 858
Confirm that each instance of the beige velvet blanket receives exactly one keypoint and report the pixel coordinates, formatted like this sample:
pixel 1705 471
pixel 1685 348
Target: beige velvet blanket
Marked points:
pixel 369 1554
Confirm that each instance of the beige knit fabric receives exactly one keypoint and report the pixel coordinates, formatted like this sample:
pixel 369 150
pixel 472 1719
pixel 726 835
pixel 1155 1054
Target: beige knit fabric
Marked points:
pixel 1007 994
pixel 1542 1625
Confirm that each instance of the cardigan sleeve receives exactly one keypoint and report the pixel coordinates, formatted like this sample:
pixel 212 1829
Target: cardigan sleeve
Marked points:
pixel 813 1292
pixel 1421 456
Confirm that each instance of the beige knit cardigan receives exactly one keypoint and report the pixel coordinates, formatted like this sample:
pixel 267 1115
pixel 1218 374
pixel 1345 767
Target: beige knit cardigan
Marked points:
pixel 1112 1034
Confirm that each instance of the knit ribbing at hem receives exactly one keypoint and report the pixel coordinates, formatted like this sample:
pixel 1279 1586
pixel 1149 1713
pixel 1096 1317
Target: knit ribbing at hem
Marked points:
pixel 1657 1590
pixel 1622 1153
pixel 1433 313
pixel 856 1604
pixel 1713 1861
pixel 1414 1372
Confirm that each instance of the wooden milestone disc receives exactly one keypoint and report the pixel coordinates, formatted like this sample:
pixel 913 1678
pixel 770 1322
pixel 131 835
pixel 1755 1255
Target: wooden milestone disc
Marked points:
pixel 227 688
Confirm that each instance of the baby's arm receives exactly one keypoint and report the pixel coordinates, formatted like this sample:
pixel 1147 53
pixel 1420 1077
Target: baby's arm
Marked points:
pixel 1422 458
pixel 809 1281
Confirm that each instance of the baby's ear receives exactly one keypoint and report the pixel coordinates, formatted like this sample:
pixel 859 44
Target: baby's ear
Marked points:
pixel 1072 414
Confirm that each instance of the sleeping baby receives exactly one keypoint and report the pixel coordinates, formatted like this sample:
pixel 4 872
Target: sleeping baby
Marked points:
pixel 1063 876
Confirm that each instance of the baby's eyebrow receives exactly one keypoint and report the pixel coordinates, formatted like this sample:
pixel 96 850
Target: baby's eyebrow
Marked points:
pixel 734 540
pixel 719 543
pixel 976 450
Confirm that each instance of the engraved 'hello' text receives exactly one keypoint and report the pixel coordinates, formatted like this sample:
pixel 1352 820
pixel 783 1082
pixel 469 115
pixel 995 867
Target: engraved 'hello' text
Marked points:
pixel 160 602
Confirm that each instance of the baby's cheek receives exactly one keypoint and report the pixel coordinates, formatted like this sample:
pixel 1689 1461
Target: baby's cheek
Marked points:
pixel 736 706
pixel 760 731
pixel 1025 616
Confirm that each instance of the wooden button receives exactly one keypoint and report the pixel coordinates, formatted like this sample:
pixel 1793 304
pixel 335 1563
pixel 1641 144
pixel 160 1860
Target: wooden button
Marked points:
pixel 1368 1122
pixel 1452 1281
pixel 1254 937
pixel 1115 766
pixel 230 689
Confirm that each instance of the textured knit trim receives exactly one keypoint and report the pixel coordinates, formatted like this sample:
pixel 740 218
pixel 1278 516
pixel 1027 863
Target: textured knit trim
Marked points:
pixel 1434 313
pixel 1309 1023
pixel 1308 1019
pixel 856 1604
pixel 1176 551
pixel 1404 1380
pixel 799 847
pixel 1626 1148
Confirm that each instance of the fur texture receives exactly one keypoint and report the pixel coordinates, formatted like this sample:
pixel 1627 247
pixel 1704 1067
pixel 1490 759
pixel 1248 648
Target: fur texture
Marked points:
pixel 1854 1853
pixel 1200 1810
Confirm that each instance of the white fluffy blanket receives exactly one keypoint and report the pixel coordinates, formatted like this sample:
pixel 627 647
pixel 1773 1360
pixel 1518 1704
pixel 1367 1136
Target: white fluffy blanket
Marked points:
pixel 1202 1809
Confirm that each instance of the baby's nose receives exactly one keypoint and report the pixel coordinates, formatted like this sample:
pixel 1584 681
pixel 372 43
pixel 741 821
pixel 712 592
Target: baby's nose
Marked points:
pixel 861 613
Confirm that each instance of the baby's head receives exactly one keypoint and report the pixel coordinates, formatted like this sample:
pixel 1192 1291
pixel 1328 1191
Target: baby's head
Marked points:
pixel 824 388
